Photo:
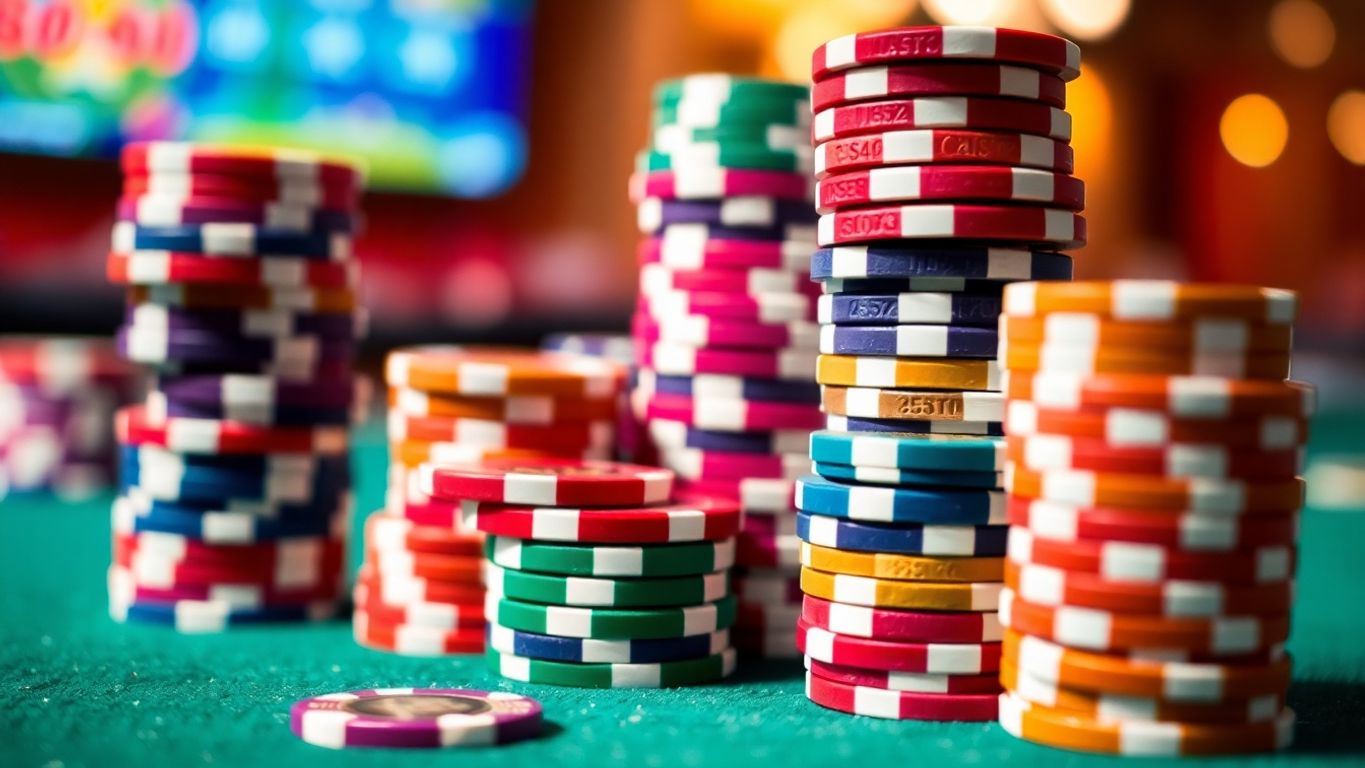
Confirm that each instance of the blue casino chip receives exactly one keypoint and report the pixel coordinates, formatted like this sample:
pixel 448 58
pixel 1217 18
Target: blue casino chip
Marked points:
pixel 723 387
pixel 955 341
pixel 221 526
pixel 837 423
pixel 846 473
pixel 885 504
pixel 904 539
pixel 231 240
pixel 592 651
pixel 910 308
pixel 968 453
pixel 967 262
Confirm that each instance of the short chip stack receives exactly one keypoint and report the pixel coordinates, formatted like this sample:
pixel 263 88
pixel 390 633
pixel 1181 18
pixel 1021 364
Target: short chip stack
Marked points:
pixel 420 591
pixel 596 576
pixel 1154 447
pixel 943 175
pixel 724 329
pixel 57 401
pixel 235 479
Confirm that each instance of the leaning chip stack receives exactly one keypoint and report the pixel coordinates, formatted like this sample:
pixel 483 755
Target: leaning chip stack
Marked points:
pixel 57 401
pixel 1152 461
pixel 235 483
pixel 420 590
pixel 942 175
pixel 597 576
pixel 724 328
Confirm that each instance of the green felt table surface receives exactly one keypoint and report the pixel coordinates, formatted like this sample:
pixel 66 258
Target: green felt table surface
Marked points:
pixel 82 690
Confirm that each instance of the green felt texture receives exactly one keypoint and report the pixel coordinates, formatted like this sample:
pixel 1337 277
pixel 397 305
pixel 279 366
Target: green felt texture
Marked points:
pixel 81 690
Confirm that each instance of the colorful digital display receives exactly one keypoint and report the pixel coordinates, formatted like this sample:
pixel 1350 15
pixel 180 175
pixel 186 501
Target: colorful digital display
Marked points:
pixel 431 94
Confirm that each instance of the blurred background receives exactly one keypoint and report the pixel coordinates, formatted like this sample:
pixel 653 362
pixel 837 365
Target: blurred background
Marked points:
pixel 1220 140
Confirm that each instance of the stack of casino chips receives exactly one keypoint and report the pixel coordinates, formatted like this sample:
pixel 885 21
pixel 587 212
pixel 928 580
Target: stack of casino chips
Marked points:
pixel 597 576
pixel 57 401
pixel 235 481
pixel 1154 446
pixel 420 590
pixel 942 175
pixel 619 348
pixel 724 330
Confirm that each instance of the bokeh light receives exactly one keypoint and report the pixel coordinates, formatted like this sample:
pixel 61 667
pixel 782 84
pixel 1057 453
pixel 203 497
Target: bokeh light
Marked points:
pixel 805 30
pixel 871 14
pixel 1346 125
pixel 1301 32
pixel 1087 19
pixel 747 20
pixel 1091 106
pixel 981 12
pixel 1254 130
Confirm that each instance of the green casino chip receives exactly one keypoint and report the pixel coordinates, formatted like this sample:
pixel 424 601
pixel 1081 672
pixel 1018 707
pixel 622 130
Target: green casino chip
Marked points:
pixel 723 89
pixel 610 623
pixel 649 562
pixel 753 157
pixel 606 593
pixel 671 138
pixel 667 674
pixel 700 114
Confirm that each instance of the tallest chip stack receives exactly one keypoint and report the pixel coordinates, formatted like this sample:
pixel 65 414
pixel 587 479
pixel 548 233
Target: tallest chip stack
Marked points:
pixel 1154 447
pixel 943 173
pixel 235 479
pixel 725 332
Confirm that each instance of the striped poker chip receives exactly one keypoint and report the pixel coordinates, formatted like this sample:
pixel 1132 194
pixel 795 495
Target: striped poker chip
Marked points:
pixel 251 323
pixel 185 157
pixel 900 505
pixel 911 595
pixel 926 405
pixel 550 482
pixel 125 589
pixel 893 285
pixel 1199 336
pixel 238 191
pixel 722 387
pixel 680 360
pixel 863 653
pixel 611 346
pixel 421 717
pixel 201 616
pixel 663 674
pixel 294 357
pixel 908 626
pixel 208 436
pixel 909 340
pixel 153 267
pixel 838 423
pixel 701 331
pixel 901 567
pixel 845 473
pixel 937 79
pixel 908 309
pixel 768 586
pixel 230 239
pixel 406 640
pixel 933 149
pixel 1154 300
pixel 569 438
pixel 163 212
pixel 968 453
pixel 941 540
pixel 916 682
pixel 250 487
pixel 297 299
pixel 1043 453
pixel 439 616
pixel 1177 397
pixel 706 519
pixel 688 247
pixel 1081 358
pixel 733 415
pixel 975 113
pixel 907 373
pixel 928 44
pixel 900 705
pixel 763 308
pixel 1069 730
pixel 656 279
pixel 698 464
pixel 1026 223
pixel 654 213
pixel 553 589
pixel 913 182
pixel 611 623
pixel 756 496
pixel 1182 531
pixel 499 372
pixel 1094 629
pixel 690 183
pixel 976 262
pixel 668 434
pixel 611 561
pixel 593 651
pixel 1190 494
pixel 1151 564
pixel 1123 427
pixel 133 513
pixel 531 410
pixel 1052 587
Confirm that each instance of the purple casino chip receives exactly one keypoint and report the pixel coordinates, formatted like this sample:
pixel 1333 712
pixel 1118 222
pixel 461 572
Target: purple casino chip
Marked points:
pixel 248 323
pixel 415 718
pixel 726 387
pixel 251 390
pixel 294 352
pixel 745 211
pixel 955 341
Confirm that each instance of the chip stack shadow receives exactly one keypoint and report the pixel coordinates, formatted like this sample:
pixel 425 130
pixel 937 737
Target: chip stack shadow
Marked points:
pixel 724 331
pixel 420 591
pixel 1153 453
pixel 943 173
pixel 235 481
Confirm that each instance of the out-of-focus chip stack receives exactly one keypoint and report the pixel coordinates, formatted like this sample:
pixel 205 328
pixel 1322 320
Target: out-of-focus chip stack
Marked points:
pixel 597 576
pixel 724 329
pixel 943 174
pixel 420 590
pixel 57 401
pixel 235 479
pixel 619 348
pixel 1154 448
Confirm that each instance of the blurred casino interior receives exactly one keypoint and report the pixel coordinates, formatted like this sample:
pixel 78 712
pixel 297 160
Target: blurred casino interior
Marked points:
pixel 1221 140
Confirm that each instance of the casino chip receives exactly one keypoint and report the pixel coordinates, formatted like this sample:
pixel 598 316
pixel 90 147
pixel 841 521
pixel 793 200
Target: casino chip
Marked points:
pixel 943 171
pixel 724 330
pixel 1153 507
pixel 241 299
pixel 415 717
